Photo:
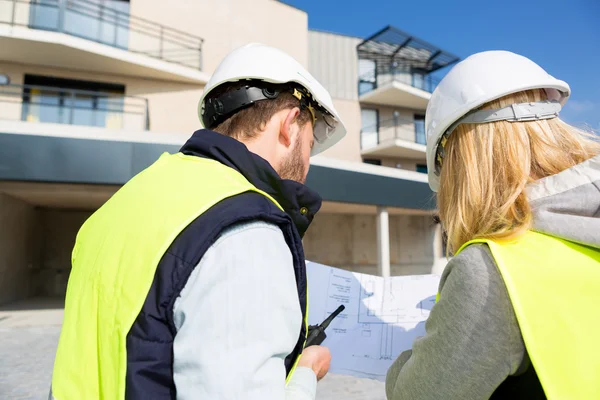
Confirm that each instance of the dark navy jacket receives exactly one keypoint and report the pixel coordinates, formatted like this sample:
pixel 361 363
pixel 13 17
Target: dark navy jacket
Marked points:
pixel 150 340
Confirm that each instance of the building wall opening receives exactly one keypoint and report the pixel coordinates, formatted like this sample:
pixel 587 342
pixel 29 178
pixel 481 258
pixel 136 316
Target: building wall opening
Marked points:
pixel 69 101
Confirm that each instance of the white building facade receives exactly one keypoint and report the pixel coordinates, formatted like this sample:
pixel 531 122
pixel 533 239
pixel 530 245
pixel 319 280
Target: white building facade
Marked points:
pixel 92 91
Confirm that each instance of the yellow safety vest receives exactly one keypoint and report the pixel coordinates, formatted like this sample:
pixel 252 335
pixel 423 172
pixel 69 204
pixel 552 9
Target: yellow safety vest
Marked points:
pixel 112 274
pixel 554 287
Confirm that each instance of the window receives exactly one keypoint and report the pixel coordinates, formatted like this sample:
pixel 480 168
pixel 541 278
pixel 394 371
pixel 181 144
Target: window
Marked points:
pixel 367 76
pixel 372 161
pixel 422 168
pixel 420 129
pixel 418 80
pixel 69 101
pixel 369 132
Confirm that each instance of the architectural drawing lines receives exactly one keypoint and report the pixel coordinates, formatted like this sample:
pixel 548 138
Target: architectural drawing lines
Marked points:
pixel 382 316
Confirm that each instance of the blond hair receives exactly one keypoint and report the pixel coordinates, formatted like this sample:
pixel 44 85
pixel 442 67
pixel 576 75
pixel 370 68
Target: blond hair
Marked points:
pixel 487 166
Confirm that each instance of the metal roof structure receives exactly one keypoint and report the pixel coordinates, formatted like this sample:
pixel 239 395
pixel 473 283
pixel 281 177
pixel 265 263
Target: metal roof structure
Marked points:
pixel 391 45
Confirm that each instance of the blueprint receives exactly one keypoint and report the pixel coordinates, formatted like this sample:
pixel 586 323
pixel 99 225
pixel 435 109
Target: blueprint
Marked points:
pixel 382 317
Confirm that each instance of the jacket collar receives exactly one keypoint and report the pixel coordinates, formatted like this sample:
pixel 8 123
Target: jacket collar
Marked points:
pixel 298 201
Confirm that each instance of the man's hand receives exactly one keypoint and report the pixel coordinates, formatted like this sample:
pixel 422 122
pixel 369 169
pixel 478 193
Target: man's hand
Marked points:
pixel 316 358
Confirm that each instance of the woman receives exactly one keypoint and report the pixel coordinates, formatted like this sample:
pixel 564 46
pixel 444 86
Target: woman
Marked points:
pixel 518 312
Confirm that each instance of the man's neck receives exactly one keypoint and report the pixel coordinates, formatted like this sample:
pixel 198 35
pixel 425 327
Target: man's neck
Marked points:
pixel 262 148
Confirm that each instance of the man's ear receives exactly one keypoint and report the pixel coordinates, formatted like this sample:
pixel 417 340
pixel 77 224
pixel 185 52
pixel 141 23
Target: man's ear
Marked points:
pixel 288 132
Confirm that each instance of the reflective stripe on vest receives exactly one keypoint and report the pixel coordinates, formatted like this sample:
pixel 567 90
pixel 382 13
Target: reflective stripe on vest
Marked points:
pixel 554 287
pixel 112 274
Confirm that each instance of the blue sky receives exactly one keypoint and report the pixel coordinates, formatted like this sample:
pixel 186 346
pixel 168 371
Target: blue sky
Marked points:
pixel 562 36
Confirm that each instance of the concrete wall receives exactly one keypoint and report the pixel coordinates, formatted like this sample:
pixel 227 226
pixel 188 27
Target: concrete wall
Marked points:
pixel 36 246
pixel 401 127
pixel 224 24
pixel 18 248
pixel 15 11
pixel 35 249
pixel 333 61
pixel 350 242
pixel 349 147
pixel 58 229
pixel 402 163
pixel 227 24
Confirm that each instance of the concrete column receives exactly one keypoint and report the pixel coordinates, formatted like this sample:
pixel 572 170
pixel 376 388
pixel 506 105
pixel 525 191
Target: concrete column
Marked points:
pixel 18 248
pixel 383 241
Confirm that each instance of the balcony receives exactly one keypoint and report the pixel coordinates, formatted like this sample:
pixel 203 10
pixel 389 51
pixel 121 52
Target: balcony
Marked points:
pixel 394 138
pixel 397 88
pixel 52 105
pixel 97 37
pixel 395 68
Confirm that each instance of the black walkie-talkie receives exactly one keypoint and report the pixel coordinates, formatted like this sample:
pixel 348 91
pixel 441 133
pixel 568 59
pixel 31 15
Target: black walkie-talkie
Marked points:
pixel 316 333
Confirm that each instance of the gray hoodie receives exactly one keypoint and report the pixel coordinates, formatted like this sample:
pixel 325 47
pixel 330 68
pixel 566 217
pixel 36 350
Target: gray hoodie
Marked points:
pixel 473 342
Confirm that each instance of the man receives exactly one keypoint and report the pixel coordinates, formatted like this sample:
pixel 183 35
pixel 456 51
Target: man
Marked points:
pixel 190 281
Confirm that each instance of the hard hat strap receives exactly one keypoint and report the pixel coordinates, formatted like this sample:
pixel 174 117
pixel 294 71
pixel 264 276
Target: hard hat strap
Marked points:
pixel 217 109
pixel 514 113
pixel 520 112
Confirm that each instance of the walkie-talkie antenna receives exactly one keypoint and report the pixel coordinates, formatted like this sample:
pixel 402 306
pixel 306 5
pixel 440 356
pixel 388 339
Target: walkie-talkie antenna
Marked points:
pixel 334 314
pixel 316 333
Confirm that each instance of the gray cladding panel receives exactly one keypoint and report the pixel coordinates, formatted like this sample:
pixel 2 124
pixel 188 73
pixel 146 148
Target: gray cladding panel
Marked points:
pixel 333 61
pixel 50 159
pixel 355 187
pixel 54 159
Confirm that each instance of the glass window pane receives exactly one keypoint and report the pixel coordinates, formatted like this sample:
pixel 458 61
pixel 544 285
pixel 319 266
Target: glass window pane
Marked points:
pixel 367 76
pixel 420 129
pixel 369 131
pixel 44 15
pixel 116 29
pixel 104 21
pixel 110 112
pixel 83 113
pixel 67 101
pixel 418 81
pixel 82 22
pixel 367 70
pixel 400 73
pixel 43 106
pixel 365 87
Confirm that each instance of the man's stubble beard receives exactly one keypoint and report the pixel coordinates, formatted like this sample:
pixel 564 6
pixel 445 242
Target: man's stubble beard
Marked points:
pixel 292 167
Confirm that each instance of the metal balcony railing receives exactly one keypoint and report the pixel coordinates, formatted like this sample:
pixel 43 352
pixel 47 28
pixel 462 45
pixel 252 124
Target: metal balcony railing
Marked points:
pixel 373 79
pixel 45 104
pixel 107 22
pixel 391 129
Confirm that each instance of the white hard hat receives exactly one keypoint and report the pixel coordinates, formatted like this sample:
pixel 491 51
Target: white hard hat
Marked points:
pixel 479 79
pixel 267 64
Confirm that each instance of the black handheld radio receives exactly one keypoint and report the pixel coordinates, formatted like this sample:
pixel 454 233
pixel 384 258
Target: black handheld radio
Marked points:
pixel 316 333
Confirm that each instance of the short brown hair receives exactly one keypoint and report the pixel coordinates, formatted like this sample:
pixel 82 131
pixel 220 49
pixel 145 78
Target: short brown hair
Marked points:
pixel 248 122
